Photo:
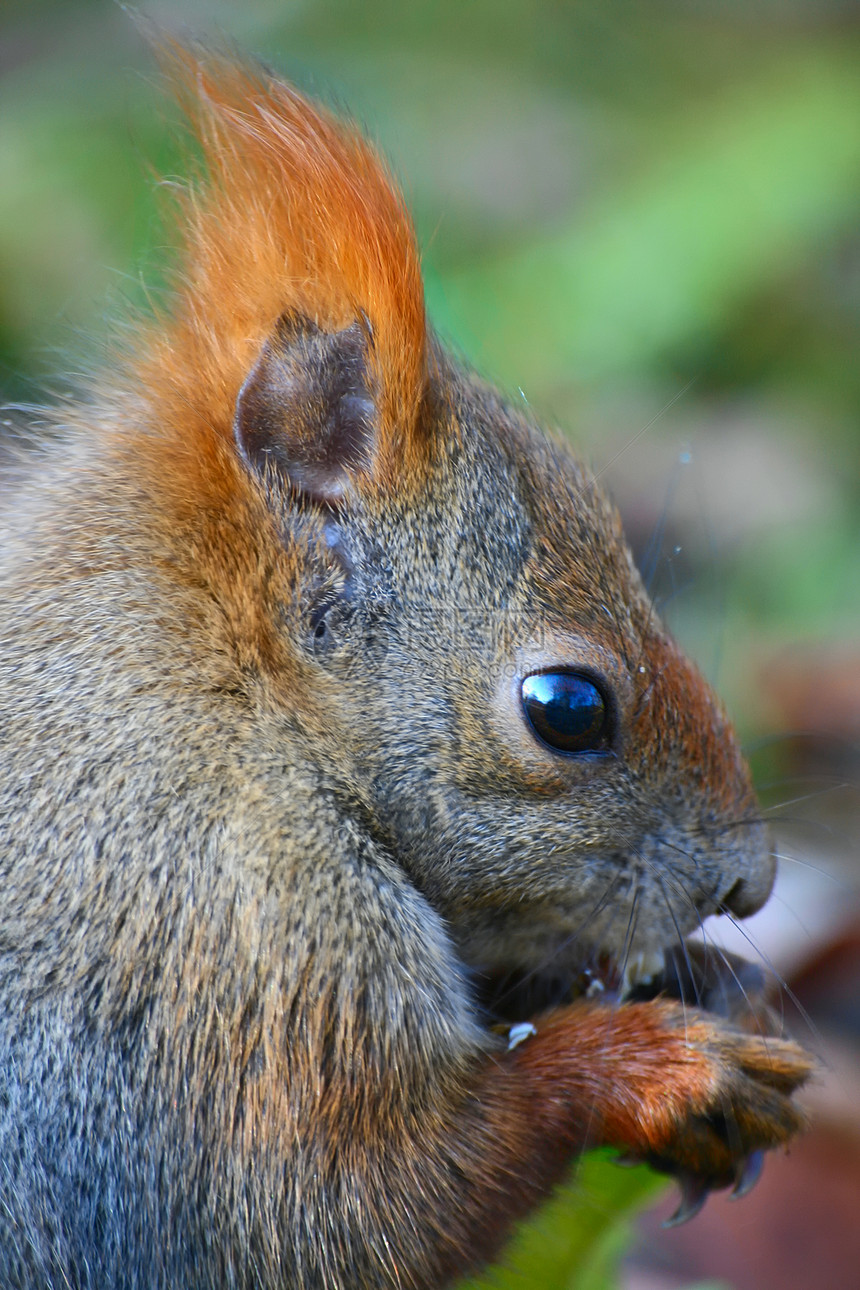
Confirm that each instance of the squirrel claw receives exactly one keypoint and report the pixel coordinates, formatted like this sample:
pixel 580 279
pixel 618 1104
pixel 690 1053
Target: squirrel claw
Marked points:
pixel 694 1193
pixel 748 1175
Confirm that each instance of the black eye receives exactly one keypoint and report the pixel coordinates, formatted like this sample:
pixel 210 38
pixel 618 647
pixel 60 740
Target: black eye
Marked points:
pixel 566 711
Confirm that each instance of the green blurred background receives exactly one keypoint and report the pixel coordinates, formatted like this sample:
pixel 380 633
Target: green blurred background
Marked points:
pixel 639 215
pixel 641 218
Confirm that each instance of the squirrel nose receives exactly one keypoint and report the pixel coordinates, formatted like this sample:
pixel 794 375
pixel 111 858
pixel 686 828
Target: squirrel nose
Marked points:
pixel 748 894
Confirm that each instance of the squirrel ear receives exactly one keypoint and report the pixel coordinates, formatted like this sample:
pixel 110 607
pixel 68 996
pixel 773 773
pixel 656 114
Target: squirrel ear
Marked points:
pixel 307 409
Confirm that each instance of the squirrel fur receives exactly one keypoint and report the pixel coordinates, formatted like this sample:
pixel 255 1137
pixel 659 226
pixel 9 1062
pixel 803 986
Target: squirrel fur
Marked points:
pixel 279 847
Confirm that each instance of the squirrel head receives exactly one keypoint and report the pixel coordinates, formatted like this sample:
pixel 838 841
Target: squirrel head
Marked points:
pixel 424 597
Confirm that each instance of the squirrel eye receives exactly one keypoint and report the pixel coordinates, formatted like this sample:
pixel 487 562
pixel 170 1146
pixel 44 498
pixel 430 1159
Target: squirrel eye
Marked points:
pixel 566 711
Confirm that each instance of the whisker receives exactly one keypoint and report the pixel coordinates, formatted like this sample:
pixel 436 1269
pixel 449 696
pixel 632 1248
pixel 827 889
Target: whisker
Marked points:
pixel 630 933
pixel 650 560
pixel 778 977
pixel 780 980
pixel 644 430
pixel 628 942
pixel 682 941
pixel 792 911
pixel 662 603
pixel 836 787
pixel 780 822
pixel 688 855
pixel 726 826
pixel 726 959
pixel 706 941
pixel 840 883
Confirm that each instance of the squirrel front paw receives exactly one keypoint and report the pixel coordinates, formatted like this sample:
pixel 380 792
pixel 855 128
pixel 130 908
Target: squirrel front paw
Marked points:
pixel 713 1102
pixel 678 1088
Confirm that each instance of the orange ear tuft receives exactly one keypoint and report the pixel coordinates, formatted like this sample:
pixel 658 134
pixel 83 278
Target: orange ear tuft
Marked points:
pixel 299 215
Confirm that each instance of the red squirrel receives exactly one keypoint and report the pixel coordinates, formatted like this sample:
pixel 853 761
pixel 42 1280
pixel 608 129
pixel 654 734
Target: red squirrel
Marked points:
pixel 355 805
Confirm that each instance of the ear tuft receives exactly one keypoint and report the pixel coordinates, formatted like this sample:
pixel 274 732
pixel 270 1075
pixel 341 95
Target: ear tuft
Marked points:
pixel 296 232
pixel 307 410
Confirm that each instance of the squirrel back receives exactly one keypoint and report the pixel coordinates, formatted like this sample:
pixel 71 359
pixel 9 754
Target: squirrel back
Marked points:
pixel 336 728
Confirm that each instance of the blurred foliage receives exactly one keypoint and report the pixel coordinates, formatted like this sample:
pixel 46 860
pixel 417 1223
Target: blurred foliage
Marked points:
pixel 645 214
pixel 576 1241
pixel 653 271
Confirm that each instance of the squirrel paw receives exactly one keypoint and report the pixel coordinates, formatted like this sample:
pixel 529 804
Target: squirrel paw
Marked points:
pixel 721 1099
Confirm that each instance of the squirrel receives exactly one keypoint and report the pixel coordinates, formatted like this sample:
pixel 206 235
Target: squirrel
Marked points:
pixel 355 805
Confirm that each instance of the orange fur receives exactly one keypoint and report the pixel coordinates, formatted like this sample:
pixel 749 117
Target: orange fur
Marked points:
pixel 648 1077
pixel 298 214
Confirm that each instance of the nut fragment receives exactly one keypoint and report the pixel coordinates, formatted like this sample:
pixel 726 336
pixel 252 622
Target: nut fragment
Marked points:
pixel 517 1034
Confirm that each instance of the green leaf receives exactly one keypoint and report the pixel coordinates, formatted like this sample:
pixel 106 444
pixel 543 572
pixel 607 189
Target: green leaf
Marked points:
pixel 576 1240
